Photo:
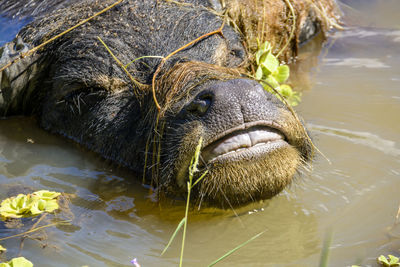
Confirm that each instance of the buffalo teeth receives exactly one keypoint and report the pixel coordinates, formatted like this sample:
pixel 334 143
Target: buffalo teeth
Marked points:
pixel 241 141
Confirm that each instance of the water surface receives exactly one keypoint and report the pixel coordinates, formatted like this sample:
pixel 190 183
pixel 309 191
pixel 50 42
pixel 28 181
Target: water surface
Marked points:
pixel 351 103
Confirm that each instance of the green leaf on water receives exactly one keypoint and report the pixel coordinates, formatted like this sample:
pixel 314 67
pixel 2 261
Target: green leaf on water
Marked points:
pixel 2 249
pixel 29 205
pixel 37 207
pixel 51 205
pixel 46 195
pixel 382 260
pixel 17 262
pixel 393 259
pixel 15 207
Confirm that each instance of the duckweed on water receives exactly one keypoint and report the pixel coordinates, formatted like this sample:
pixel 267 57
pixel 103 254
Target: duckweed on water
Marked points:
pixel 29 205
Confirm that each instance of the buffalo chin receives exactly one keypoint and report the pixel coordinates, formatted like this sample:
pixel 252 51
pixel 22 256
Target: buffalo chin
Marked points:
pixel 237 182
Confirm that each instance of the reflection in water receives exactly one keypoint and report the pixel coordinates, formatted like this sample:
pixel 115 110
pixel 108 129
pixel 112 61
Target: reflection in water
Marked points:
pixel 351 103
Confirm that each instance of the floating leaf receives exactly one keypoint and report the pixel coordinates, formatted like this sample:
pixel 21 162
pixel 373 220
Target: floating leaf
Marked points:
pixel 51 205
pixel 393 260
pixel 17 262
pixel 15 207
pixel 2 248
pixel 45 194
pixel 382 260
pixel 281 74
pixel 29 205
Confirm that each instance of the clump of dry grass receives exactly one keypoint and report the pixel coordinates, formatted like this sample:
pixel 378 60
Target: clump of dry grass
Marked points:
pixel 279 22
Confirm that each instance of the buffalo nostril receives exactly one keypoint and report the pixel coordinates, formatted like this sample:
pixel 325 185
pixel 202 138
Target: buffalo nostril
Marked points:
pixel 200 104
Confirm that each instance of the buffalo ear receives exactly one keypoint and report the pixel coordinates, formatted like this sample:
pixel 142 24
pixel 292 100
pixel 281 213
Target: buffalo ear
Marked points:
pixel 19 80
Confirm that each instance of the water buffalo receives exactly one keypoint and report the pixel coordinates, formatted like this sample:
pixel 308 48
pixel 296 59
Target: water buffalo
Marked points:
pixel 252 143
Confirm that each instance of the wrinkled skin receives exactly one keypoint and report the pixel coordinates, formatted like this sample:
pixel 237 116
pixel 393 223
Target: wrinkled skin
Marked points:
pixel 252 144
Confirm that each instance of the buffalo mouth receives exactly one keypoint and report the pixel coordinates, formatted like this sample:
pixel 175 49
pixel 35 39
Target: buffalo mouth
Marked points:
pixel 246 142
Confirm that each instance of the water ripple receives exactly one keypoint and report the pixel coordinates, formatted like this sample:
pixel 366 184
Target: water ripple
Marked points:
pixel 361 138
pixel 370 63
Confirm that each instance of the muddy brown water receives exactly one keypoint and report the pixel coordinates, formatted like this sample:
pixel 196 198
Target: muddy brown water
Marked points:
pixel 351 103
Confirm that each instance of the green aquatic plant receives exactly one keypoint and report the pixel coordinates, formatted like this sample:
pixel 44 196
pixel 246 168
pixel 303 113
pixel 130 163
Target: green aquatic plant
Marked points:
pixel 2 249
pixel 272 75
pixel 29 205
pixel 183 223
pixel 17 262
pixel 391 261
